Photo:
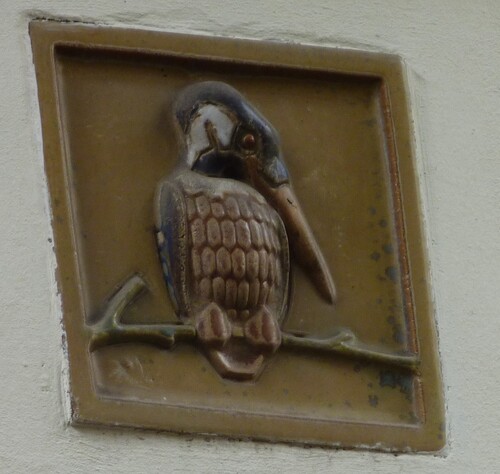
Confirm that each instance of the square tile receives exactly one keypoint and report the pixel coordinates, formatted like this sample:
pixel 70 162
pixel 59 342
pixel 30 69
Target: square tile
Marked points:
pixel 106 98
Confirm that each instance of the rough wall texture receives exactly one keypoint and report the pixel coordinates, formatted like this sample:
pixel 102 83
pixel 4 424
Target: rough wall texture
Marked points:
pixel 453 53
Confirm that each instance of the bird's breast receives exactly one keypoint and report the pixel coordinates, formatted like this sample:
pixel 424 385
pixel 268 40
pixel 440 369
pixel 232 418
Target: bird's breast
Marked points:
pixel 238 252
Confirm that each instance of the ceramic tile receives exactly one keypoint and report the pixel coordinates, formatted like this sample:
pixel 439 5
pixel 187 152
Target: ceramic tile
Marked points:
pixel 362 371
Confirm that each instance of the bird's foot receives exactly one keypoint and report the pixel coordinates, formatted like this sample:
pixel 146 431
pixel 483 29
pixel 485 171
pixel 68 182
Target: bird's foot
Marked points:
pixel 262 330
pixel 213 327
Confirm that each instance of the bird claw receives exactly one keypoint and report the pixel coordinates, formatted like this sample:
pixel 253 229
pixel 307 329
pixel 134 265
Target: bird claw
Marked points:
pixel 262 330
pixel 212 326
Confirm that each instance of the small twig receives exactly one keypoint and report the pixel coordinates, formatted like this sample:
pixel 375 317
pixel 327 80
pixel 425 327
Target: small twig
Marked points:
pixel 345 343
pixel 110 330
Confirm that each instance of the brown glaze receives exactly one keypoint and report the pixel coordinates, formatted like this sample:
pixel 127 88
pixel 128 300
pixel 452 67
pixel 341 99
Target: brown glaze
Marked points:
pixel 237 264
pixel 104 96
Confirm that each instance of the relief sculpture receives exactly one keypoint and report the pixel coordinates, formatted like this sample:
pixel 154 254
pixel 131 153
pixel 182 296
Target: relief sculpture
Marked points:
pixel 238 238
pixel 228 228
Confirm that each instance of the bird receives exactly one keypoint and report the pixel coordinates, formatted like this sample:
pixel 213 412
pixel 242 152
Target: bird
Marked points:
pixel 228 227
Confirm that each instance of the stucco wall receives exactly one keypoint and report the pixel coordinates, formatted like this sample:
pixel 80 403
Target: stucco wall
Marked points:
pixel 452 49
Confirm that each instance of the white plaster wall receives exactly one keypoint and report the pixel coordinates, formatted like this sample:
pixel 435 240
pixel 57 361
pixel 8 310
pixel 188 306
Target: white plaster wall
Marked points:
pixel 453 52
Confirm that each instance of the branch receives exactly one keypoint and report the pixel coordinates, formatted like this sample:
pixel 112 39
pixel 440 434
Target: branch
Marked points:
pixel 109 330
pixel 346 343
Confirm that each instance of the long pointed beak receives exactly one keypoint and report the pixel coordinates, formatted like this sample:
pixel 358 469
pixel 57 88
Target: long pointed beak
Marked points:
pixel 302 242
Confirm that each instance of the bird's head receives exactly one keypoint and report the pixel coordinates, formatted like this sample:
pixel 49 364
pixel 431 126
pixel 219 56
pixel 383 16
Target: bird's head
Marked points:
pixel 226 137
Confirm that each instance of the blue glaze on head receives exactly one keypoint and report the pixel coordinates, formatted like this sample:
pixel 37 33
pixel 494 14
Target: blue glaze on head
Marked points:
pixel 229 161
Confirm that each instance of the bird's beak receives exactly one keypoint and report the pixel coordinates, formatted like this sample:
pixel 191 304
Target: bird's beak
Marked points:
pixel 303 245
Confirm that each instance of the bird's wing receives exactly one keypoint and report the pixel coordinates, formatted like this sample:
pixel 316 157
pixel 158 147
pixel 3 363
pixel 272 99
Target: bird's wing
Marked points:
pixel 172 242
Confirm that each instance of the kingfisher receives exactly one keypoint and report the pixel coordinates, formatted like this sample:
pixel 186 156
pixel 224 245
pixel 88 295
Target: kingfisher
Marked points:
pixel 228 225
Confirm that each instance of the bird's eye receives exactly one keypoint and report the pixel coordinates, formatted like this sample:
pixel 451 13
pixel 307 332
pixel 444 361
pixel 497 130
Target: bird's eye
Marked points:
pixel 248 141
